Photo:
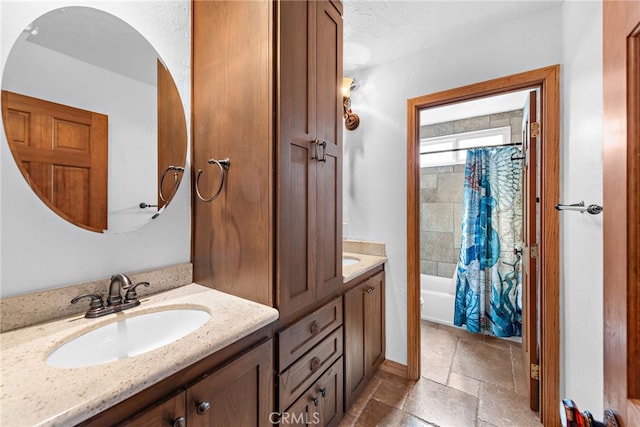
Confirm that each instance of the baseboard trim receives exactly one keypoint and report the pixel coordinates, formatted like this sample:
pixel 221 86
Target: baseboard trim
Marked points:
pixel 394 368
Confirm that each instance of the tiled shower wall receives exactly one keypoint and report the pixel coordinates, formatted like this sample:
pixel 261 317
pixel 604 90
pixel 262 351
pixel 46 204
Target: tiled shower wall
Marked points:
pixel 441 192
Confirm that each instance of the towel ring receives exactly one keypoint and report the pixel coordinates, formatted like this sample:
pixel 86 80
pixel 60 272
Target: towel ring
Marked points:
pixel 223 165
pixel 164 174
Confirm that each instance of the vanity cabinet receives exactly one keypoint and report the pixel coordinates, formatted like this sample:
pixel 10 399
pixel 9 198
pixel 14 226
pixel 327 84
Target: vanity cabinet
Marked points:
pixel 170 413
pixel 266 94
pixel 364 342
pixel 310 368
pixel 238 393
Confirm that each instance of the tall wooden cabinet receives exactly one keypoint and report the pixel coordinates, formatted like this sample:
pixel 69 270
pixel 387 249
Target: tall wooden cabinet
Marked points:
pixel 309 220
pixel 266 94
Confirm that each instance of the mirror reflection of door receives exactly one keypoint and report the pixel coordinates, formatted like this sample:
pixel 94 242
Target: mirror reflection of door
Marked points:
pixel 171 130
pixel 62 153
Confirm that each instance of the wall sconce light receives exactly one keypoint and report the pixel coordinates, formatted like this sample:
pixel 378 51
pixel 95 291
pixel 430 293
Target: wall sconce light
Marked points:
pixel 351 119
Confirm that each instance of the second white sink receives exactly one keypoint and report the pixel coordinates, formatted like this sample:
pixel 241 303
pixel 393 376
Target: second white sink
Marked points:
pixel 128 337
pixel 349 260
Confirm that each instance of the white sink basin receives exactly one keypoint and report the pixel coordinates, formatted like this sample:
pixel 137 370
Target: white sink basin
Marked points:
pixel 349 260
pixel 128 337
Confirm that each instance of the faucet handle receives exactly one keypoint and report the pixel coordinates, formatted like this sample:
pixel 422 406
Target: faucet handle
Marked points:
pixel 95 306
pixel 131 294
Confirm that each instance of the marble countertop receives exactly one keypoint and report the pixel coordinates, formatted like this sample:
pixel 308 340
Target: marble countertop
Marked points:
pixel 366 263
pixel 33 393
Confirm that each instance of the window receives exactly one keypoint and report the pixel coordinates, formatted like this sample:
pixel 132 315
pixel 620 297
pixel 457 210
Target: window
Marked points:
pixel 438 150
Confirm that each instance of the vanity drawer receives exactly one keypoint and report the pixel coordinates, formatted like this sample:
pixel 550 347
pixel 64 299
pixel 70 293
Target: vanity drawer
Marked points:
pixel 309 368
pixel 300 337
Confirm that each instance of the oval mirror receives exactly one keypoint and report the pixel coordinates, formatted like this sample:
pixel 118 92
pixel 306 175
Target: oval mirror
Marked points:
pixel 94 119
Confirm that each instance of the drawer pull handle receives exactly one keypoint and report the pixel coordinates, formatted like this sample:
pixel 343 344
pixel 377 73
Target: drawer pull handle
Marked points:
pixel 323 391
pixel 315 327
pixel 179 422
pixel 202 407
pixel 316 401
pixel 315 364
pixel 371 289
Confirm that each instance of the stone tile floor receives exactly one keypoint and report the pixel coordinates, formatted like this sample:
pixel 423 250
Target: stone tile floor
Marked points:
pixel 467 380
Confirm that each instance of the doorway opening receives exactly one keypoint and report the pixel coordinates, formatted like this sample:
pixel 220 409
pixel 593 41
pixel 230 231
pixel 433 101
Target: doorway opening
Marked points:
pixel 546 250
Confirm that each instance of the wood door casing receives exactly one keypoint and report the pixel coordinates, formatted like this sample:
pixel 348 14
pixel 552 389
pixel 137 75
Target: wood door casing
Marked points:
pixel 548 80
pixel 529 261
pixel 621 179
pixel 62 152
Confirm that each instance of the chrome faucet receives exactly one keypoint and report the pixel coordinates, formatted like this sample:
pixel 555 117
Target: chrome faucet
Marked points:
pixel 115 302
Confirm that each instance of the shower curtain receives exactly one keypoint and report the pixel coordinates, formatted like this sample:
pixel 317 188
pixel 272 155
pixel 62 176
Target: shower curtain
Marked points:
pixel 488 286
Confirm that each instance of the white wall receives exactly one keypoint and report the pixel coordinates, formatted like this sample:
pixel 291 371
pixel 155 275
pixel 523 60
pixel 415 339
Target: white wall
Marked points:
pixel 41 251
pixel 375 165
pixel 581 235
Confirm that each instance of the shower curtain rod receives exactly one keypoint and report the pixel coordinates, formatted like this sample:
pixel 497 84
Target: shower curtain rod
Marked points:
pixel 451 150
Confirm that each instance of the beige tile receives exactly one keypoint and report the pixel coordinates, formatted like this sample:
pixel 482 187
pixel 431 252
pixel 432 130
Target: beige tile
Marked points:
pixel 439 246
pixel 446 269
pixel 460 382
pixel 450 187
pixel 502 407
pixel 436 217
pixel 497 342
pixel 393 393
pixel 437 340
pixel 364 397
pixel 435 366
pixel 428 181
pixel 485 363
pixel 441 405
pixel 348 421
pixel 378 414
pixel 519 378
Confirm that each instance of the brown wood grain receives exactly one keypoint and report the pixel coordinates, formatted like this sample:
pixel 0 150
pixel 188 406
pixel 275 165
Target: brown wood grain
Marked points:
pixel 172 134
pixel 621 182
pixel 548 80
pixel 232 95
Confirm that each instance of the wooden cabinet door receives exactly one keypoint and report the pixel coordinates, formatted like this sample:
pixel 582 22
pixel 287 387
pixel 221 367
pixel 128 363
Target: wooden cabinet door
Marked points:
pixel 328 184
pixel 310 153
pixel 321 404
pixel 297 156
pixel 374 325
pixel 238 394
pixel 170 413
pixel 364 343
pixel 354 342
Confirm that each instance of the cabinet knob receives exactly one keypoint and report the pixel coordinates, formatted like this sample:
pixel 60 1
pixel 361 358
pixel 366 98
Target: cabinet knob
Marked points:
pixel 179 422
pixel 315 364
pixel 316 401
pixel 315 327
pixel 202 407
pixel 323 391
pixel 370 289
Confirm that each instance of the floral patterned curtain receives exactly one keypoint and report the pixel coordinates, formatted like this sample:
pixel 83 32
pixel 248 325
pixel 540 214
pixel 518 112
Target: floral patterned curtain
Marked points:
pixel 488 285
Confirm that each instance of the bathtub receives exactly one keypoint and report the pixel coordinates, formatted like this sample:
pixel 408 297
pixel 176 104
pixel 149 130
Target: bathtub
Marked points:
pixel 438 297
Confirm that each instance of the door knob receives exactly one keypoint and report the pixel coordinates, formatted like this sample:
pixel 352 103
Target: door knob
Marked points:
pixel 571 416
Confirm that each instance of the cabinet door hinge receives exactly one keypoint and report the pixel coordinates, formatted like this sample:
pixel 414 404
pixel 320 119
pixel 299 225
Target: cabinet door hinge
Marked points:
pixel 535 371
pixel 535 129
pixel 534 251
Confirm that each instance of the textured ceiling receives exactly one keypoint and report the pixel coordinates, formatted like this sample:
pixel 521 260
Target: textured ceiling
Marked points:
pixel 380 31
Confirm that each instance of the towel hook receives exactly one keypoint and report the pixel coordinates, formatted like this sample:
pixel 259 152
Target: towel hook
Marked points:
pixel 223 165
pixel 176 182
pixel 580 207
